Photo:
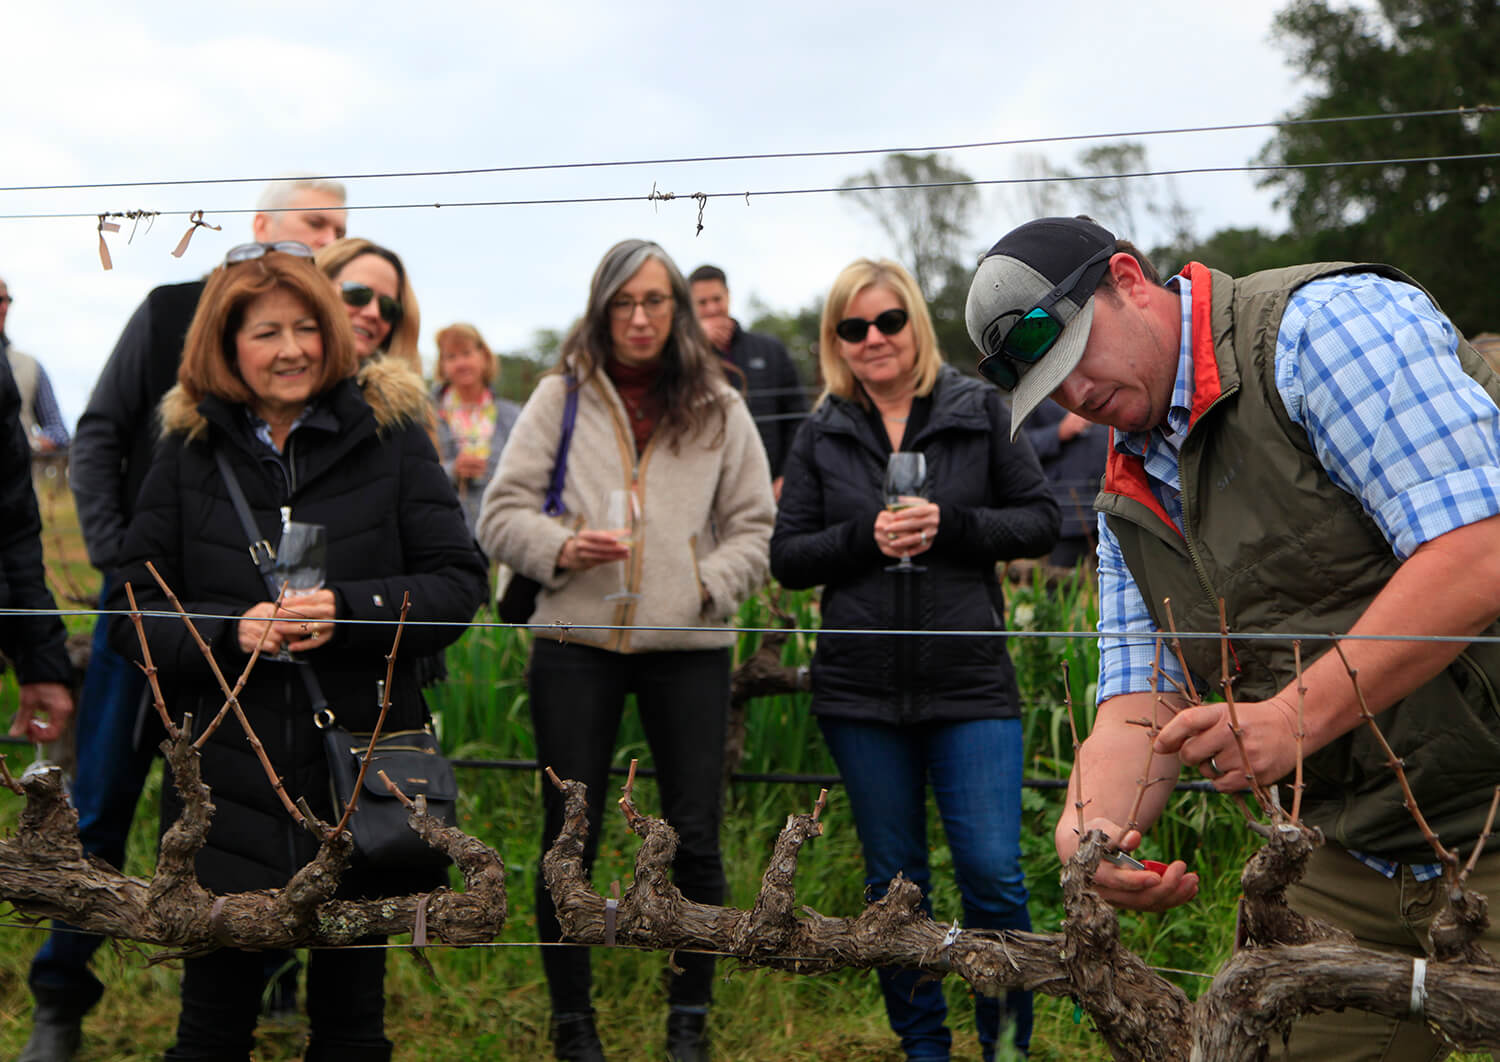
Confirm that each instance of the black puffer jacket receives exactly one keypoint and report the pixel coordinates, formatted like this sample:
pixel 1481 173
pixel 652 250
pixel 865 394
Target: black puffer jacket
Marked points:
pixel 34 644
pixel 394 525
pixel 995 506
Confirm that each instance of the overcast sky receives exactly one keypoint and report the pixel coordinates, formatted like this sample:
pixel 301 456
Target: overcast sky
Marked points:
pixel 101 93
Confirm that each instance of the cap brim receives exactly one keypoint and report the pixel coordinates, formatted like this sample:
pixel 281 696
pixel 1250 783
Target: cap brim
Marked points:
pixel 1049 373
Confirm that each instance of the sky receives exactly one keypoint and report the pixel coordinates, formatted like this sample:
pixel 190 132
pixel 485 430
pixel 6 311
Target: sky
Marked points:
pixel 174 92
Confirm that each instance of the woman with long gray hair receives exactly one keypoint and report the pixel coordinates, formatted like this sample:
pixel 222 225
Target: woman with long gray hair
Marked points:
pixel 665 530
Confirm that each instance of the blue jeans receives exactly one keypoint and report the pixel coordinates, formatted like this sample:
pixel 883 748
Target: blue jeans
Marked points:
pixel 974 768
pixel 110 773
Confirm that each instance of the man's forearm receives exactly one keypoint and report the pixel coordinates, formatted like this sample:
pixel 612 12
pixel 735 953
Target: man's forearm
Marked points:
pixel 1112 765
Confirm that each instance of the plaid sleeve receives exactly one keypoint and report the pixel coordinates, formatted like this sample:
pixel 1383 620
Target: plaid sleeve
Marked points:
pixel 1127 649
pixel 1369 368
pixel 49 417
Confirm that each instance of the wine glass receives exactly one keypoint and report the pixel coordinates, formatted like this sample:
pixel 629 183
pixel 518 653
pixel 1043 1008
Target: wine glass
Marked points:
pixel 301 560
pixel 622 516
pixel 904 475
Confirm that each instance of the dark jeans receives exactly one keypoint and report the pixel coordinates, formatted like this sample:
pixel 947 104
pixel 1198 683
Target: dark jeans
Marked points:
pixel 221 1000
pixel 974 768
pixel 111 770
pixel 577 698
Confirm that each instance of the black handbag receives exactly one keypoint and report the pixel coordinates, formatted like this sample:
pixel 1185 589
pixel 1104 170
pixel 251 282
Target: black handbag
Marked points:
pixel 383 837
pixel 518 601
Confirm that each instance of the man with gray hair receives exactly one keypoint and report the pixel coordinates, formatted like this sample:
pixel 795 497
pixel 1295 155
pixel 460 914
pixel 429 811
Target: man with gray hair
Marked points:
pixel 111 453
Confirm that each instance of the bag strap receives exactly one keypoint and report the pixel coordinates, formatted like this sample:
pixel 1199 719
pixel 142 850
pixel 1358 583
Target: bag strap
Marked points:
pixel 264 558
pixel 553 505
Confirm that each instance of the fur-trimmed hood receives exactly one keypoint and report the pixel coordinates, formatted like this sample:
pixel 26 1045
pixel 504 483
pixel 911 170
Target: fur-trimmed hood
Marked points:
pixel 396 395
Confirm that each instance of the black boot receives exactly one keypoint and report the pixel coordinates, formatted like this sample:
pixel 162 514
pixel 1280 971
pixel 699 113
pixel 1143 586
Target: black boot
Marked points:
pixel 687 1040
pixel 575 1039
pixel 55 1034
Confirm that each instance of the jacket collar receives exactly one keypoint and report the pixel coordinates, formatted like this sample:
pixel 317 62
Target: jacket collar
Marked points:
pixel 1125 473
pixel 958 402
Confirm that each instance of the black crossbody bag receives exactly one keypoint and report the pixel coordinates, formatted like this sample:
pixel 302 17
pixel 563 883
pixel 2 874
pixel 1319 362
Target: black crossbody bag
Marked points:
pixel 383 837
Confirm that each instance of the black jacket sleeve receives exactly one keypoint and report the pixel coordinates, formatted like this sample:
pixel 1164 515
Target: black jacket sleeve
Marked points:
pixel 792 401
pixel 155 536
pixel 442 567
pixel 36 644
pixel 805 552
pixel 112 446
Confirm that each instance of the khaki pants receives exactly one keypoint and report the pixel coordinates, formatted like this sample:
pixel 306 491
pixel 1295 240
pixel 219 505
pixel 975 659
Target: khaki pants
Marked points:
pixel 1384 914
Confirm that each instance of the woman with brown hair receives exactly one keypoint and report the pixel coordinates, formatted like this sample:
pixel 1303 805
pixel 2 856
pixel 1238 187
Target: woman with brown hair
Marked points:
pixel 657 433
pixel 266 383
pixel 377 294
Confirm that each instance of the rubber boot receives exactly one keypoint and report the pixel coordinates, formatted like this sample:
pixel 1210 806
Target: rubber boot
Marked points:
pixel 687 1038
pixel 575 1038
pixel 55 1035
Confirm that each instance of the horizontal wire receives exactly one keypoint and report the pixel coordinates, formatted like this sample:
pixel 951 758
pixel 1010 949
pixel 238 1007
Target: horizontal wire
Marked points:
pixel 542 629
pixel 666 197
pixel 762 156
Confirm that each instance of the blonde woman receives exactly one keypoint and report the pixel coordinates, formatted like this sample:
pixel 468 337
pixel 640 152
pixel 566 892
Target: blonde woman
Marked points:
pixel 378 297
pixel 900 712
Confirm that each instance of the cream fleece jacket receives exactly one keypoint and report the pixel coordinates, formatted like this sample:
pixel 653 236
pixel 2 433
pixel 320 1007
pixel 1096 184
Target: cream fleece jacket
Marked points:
pixel 706 519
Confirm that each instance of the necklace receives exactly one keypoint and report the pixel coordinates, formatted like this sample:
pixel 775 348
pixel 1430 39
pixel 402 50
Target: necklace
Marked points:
pixel 897 420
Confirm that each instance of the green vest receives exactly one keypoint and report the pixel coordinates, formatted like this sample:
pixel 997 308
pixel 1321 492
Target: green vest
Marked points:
pixel 1289 551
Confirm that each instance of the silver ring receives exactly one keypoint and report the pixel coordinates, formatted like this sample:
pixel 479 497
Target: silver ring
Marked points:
pixel 1213 765
pixel 924 536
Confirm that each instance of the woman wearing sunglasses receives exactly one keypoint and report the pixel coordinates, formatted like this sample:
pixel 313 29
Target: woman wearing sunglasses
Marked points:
pixel 900 711
pixel 378 297
pixel 266 383
pixel 657 434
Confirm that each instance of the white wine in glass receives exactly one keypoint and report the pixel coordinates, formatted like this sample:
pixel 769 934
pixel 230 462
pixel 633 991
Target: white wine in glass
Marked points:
pixel 905 476
pixel 301 564
pixel 622 516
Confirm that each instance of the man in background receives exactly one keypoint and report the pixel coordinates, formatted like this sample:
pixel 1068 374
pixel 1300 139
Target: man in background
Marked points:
pixel 772 387
pixel 41 419
pixel 110 456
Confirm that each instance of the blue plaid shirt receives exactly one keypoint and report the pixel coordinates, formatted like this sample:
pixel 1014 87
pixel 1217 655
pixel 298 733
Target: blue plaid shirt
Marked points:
pixel 1400 426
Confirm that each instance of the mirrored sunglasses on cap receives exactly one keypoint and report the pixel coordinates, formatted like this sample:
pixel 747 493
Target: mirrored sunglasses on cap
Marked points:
pixel 1011 353
pixel 248 252
pixel 856 329
pixel 357 294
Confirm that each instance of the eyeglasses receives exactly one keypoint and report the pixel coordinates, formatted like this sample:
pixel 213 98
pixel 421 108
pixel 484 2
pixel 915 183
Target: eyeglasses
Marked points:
pixel 1011 353
pixel 249 252
pixel 655 305
pixel 356 294
pixel 6 300
pixel 855 329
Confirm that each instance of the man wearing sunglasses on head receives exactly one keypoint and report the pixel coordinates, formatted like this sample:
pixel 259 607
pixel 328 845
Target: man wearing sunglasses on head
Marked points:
pixel 110 455
pixel 1318 447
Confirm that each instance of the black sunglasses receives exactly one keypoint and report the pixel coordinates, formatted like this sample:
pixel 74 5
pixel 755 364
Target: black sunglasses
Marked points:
pixel 356 294
pixel 248 252
pixel 855 329
pixel 1010 353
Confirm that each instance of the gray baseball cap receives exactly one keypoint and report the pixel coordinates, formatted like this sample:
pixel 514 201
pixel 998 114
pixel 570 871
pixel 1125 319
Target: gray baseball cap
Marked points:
pixel 1031 306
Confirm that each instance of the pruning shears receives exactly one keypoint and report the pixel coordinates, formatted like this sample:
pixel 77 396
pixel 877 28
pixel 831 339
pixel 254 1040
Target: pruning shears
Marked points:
pixel 1129 862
